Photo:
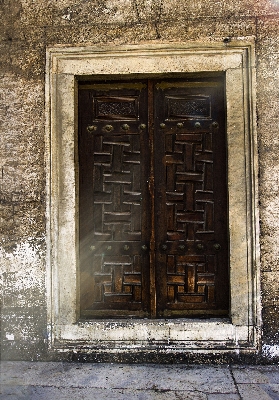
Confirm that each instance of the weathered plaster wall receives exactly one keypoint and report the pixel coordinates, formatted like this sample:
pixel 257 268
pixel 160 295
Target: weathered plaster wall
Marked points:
pixel 27 28
pixel 268 111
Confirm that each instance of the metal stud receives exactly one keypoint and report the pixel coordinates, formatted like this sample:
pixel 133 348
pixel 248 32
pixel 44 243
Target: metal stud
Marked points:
pixel 200 246
pixel 215 124
pixel 126 247
pixel 164 247
pixel 217 246
pixel 162 125
pixel 197 124
pixel 182 247
pixel 144 247
pixel 109 248
pixel 125 127
pixel 91 128
pixel 142 126
pixel 179 125
pixel 108 128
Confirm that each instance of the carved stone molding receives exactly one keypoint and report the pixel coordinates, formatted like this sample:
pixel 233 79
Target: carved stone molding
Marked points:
pixel 65 65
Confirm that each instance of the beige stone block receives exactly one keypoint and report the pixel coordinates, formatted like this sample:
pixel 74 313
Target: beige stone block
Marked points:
pixel 220 8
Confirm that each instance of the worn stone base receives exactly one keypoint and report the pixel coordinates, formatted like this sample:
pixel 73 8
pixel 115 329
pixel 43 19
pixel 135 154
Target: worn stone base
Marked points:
pixel 162 355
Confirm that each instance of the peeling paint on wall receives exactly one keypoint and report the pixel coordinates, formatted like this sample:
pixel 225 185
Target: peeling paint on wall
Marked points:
pixel 270 352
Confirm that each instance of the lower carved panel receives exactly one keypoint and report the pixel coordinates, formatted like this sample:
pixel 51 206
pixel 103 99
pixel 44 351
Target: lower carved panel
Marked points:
pixel 190 281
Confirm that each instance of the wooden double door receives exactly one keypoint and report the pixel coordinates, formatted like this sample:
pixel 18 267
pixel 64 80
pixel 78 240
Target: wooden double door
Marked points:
pixel 153 198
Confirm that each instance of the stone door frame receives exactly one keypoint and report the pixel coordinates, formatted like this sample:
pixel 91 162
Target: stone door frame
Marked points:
pixel 65 65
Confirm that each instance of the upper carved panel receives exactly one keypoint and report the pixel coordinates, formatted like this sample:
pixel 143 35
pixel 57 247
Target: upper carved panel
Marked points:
pixel 116 108
pixel 188 107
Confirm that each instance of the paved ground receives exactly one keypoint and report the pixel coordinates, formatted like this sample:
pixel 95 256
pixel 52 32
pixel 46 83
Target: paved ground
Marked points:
pixel 51 381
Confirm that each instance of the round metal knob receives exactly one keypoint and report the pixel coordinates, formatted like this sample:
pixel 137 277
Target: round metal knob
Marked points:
pixel 144 247
pixel 215 124
pixel 108 128
pixel 126 247
pixel 182 247
pixel 179 125
pixel 125 127
pixel 217 246
pixel 162 125
pixel 91 128
pixel 142 126
pixel 197 124
pixel 200 246
pixel 109 248
pixel 164 247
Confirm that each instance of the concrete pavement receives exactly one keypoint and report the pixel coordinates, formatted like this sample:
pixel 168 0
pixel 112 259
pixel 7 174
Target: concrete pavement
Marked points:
pixel 61 380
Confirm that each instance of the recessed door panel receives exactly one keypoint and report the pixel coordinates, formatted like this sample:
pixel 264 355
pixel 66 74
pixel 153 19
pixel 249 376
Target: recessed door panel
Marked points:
pixel 191 204
pixel 114 220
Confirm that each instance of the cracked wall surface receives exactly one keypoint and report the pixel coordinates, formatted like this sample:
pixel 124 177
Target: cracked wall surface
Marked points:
pixel 28 27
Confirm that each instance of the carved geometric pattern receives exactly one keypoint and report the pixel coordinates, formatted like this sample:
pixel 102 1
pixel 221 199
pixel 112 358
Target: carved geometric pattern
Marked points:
pixel 117 279
pixel 190 216
pixel 191 280
pixel 116 219
pixel 190 106
pixel 116 107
